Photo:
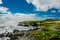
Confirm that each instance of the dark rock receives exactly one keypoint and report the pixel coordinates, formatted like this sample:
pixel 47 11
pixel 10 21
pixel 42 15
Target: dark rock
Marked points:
pixel 2 35
pixel 15 31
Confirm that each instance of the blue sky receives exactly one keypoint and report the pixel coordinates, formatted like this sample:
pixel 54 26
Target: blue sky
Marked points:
pixel 41 9
pixel 18 5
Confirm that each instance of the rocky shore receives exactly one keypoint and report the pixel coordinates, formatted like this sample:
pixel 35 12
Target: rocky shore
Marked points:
pixel 38 30
pixel 16 35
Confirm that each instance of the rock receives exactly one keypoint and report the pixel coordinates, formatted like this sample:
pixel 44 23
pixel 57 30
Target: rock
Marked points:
pixel 2 35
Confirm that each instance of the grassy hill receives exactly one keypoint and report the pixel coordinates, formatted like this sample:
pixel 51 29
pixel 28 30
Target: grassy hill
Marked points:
pixel 51 30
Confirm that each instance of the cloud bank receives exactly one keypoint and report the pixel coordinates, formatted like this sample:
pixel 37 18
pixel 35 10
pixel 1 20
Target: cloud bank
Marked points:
pixel 44 5
pixel 8 18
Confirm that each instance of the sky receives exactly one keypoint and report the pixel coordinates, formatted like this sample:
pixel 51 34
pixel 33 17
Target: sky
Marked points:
pixel 12 11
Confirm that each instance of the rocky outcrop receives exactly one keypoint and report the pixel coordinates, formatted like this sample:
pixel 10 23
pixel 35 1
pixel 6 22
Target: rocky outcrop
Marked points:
pixel 16 35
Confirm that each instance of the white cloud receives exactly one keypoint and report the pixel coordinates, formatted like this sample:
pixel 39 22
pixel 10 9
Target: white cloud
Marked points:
pixel 3 9
pixel 11 19
pixel 44 5
pixel 1 2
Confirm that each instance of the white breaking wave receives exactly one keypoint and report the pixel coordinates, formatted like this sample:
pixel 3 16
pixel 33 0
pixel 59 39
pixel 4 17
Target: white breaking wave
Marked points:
pixel 11 28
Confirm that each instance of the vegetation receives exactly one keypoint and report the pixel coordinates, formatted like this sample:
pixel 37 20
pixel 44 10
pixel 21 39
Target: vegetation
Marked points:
pixel 47 33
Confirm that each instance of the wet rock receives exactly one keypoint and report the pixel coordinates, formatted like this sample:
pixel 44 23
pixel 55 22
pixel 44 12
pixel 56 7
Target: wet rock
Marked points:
pixel 2 35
